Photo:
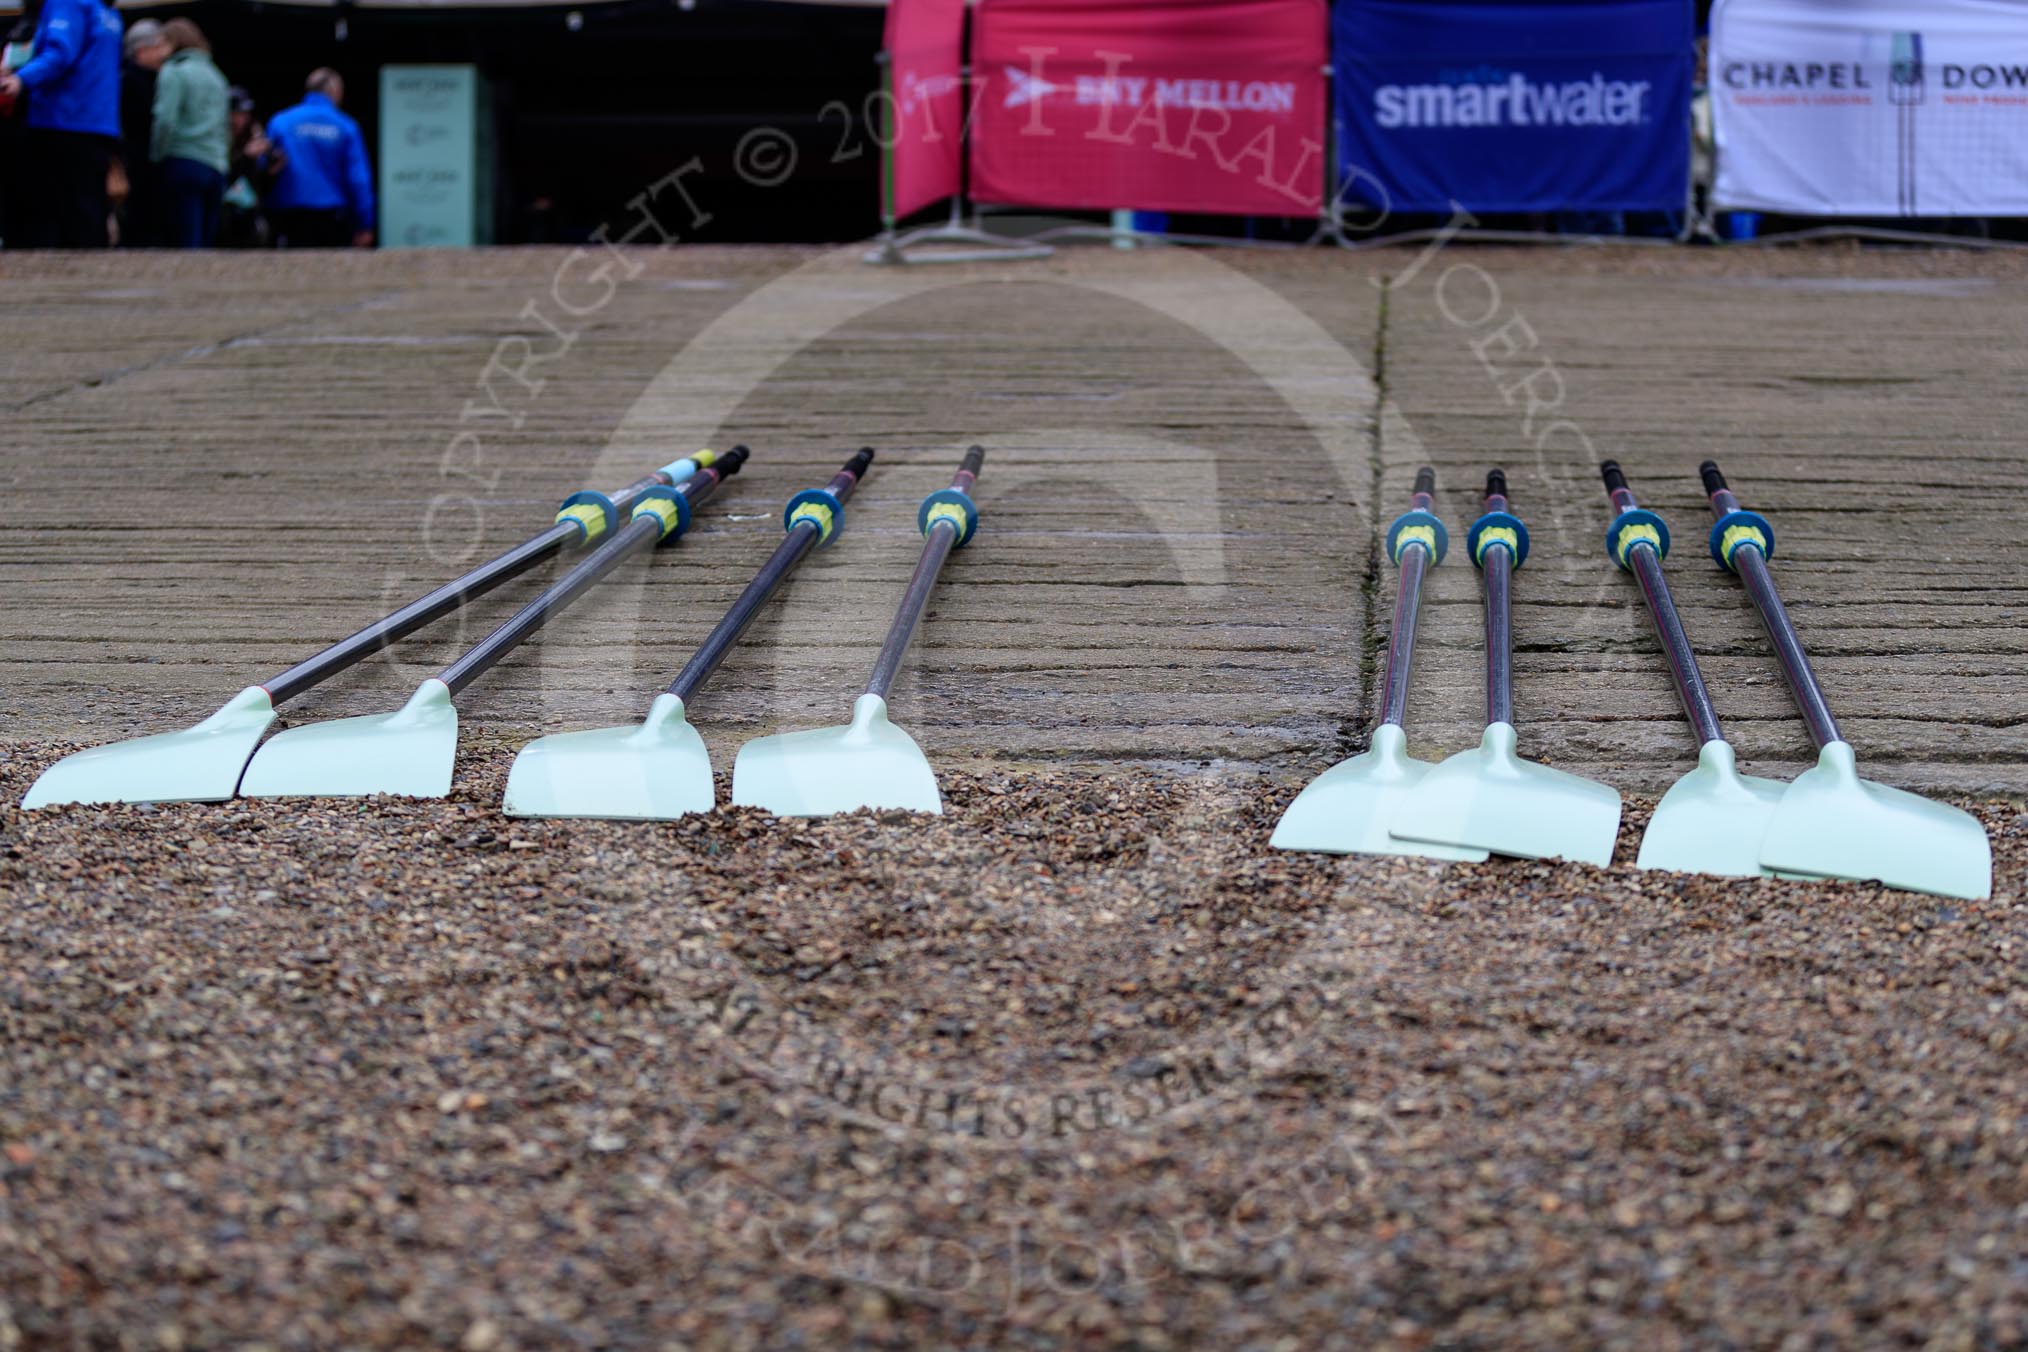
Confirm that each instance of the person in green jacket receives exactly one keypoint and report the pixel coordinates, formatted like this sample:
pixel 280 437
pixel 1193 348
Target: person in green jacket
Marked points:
pixel 190 138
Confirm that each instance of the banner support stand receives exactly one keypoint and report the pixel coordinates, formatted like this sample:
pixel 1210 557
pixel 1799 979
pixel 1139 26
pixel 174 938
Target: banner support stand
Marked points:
pixel 1693 224
pixel 987 247
pixel 1870 234
pixel 886 63
pixel 893 249
pixel 1144 239
pixel 1331 220
pixel 1444 232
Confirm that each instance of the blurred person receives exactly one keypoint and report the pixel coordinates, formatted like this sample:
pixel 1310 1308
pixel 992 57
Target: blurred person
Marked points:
pixel 190 140
pixel 253 165
pixel 141 221
pixel 72 83
pixel 13 55
pixel 323 197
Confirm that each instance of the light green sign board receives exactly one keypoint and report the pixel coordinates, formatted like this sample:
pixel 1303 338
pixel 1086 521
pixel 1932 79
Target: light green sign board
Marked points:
pixel 435 158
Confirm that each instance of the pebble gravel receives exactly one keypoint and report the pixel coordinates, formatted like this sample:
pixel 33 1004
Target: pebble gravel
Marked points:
pixel 1081 1063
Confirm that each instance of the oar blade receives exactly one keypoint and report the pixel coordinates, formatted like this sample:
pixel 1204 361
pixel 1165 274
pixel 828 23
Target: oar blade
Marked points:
pixel 409 753
pixel 1832 824
pixel 868 763
pixel 1346 809
pixel 1712 820
pixel 200 764
pixel 1489 799
pixel 656 771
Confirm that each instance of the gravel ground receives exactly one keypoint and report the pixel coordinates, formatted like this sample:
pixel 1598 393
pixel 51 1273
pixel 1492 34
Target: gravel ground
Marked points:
pixel 1080 1062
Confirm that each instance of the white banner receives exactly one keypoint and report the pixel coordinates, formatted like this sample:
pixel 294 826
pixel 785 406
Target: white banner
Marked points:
pixel 1871 107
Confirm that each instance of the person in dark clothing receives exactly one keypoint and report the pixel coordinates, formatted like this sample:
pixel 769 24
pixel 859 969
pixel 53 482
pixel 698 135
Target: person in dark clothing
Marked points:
pixel 146 49
pixel 14 185
pixel 72 81
pixel 66 203
pixel 256 163
pixel 313 228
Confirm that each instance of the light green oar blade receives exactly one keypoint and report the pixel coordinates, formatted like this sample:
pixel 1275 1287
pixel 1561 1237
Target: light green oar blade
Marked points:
pixel 1831 823
pixel 1712 820
pixel 867 763
pixel 409 753
pixel 1346 809
pixel 201 764
pixel 1489 799
pixel 656 771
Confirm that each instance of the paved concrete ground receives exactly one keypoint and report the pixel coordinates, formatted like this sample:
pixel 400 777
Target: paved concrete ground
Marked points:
pixel 215 466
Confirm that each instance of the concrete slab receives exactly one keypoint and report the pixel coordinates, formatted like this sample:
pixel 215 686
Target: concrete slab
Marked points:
pixel 216 465
pixel 1865 412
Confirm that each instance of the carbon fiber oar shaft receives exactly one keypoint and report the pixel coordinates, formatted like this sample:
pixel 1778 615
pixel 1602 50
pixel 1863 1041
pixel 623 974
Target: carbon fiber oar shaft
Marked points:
pixel 1645 561
pixel 941 534
pixel 806 529
pixel 451 596
pixel 647 527
pixel 1498 566
pixel 1415 563
pixel 1749 560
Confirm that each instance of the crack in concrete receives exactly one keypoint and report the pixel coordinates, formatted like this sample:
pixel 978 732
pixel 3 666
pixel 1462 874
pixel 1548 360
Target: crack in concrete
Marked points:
pixel 1356 736
pixel 101 379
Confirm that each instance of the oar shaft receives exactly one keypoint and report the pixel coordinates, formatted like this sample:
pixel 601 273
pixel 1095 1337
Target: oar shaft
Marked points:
pixel 1751 565
pixel 1795 663
pixel 1423 497
pixel 1682 658
pixel 636 534
pixel 1401 642
pixel 789 554
pixel 948 519
pixel 968 469
pixel 1499 637
pixel 659 479
pixel 942 536
pixel 419 612
pixel 1414 565
pixel 453 595
pixel 1498 567
pixel 639 533
pixel 1645 562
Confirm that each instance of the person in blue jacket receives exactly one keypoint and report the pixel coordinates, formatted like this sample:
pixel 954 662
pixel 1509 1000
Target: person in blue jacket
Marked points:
pixel 323 198
pixel 72 82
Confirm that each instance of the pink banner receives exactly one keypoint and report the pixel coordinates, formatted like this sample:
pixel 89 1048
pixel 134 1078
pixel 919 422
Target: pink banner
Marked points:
pixel 925 54
pixel 1188 105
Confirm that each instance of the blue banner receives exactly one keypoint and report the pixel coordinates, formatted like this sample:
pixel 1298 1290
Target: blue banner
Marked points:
pixel 1514 107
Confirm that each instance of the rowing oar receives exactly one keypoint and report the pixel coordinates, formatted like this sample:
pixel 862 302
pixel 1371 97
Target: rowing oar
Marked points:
pixel 1830 823
pixel 659 770
pixel 1488 798
pixel 868 762
pixel 203 764
pixel 411 751
pixel 1346 809
pixel 1713 819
